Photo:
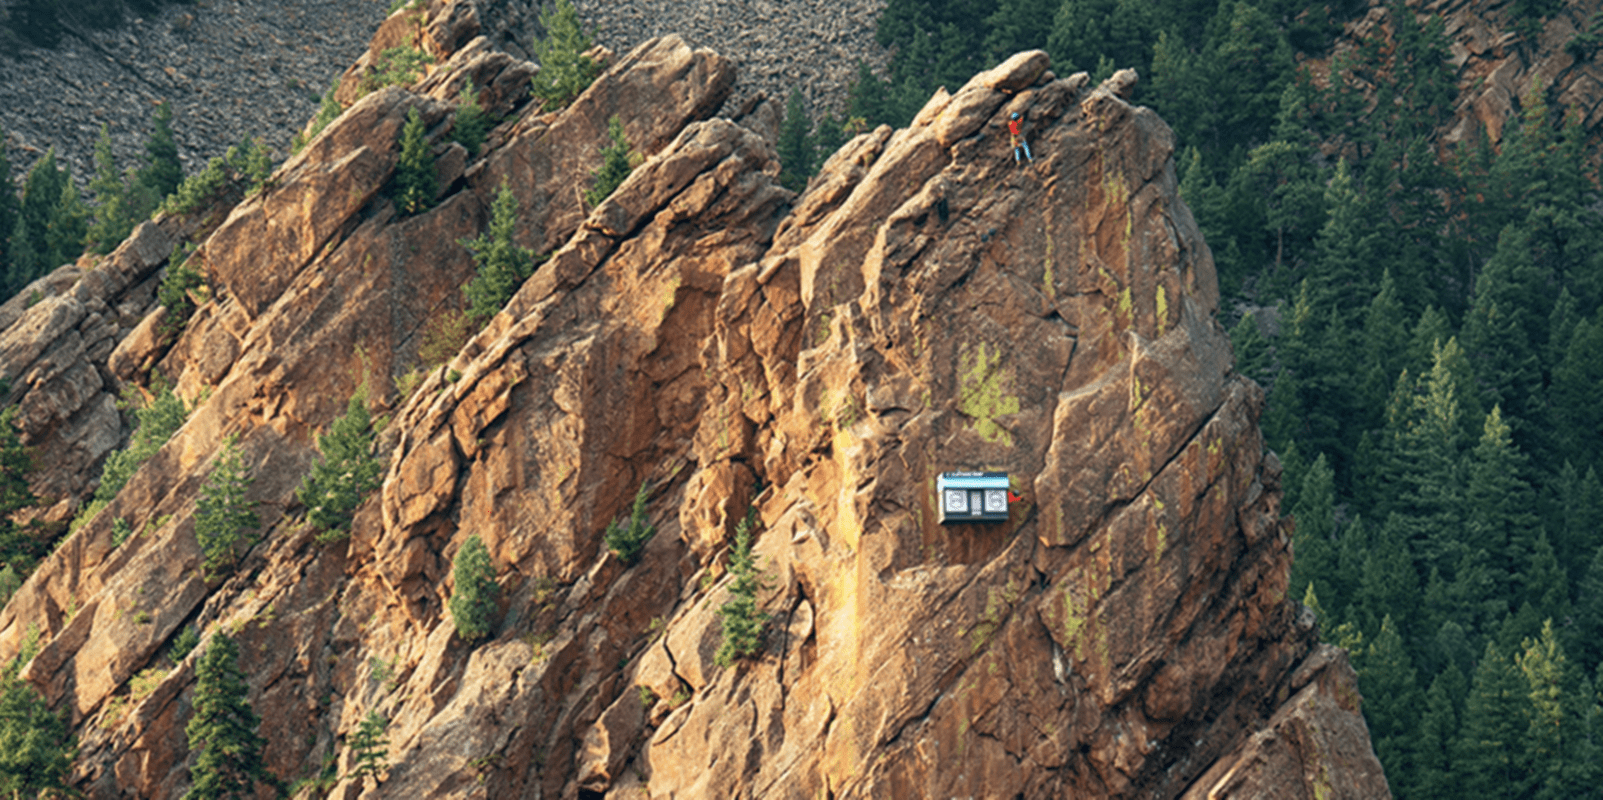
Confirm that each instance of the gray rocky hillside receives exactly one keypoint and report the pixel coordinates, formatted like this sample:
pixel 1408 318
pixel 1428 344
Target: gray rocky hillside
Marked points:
pixel 245 68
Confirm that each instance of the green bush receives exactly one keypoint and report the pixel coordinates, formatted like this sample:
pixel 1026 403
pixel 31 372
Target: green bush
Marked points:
pixel 615 165
pixel 120 531
pixel 565 71
pixel 740 618
pixel 626 541
pixel 397 66
pixel 245 166
pixel 184 642
pixel 222 514
pixel 473 601
pixel 154 424
pixel 10 582
pixel 416 181
pixel 346 474
pixel 177 283
pixel 502 264
pixel 328 110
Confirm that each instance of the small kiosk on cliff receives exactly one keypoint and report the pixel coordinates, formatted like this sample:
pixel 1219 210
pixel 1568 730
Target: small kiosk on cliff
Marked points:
pixel 966 497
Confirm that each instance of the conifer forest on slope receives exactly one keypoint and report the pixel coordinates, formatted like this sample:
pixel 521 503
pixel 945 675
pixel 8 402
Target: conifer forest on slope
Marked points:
pixel 1427 321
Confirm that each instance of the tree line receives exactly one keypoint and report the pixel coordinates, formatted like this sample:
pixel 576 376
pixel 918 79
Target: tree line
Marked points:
pixel 1427 319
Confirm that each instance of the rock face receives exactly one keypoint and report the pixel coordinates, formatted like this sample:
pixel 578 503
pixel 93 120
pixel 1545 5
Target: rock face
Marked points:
pixel 1496 68
pixel 712 339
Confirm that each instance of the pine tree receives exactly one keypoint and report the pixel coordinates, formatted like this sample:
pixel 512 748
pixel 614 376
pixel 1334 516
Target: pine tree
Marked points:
pixel 1387 678
pixel 222 514
pixel 223 728
pixel 740 618
pixel 369 747
pixel 502 264
pixel 1346 246
pixel 1561 757
pixel 473 600
pixel 1500 329
pixel 1314 543
pixel 1542 582
pixel 1589 614
pixel 36 751
pixel 347 472
pixel 120 202
pixel 615 165
pixel 1497 500
pixel 19 548
pixel 627 541
pixel 1435 777
pixel 30 252
pixel 565 70
pixel 471 123
pixel 1575 517
pixel 1388 584
pixel 1496 721
pixel 795 148
pixel 1432 501
pixel 163 172
pixel 1384 326
pixel 416 182
pixel 1573 394
pixel 69 226
pixel 1016 25
pixel 868 101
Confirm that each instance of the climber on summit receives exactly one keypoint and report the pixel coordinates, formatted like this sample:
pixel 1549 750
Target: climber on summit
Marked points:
pixel 1015 128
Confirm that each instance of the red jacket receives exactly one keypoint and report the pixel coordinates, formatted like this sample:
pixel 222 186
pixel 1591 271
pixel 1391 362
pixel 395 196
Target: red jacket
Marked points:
pixel 1015 126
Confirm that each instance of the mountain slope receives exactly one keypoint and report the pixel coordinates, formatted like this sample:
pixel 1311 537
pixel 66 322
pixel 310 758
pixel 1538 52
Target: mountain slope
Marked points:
pixel 925 306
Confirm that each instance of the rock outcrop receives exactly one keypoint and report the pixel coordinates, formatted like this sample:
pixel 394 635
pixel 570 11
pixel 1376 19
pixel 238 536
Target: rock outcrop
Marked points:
pixel 712 339
pixel 1496 67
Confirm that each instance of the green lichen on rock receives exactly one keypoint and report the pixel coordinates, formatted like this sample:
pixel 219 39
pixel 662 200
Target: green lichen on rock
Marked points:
pixel 983 393
pixel 1163 309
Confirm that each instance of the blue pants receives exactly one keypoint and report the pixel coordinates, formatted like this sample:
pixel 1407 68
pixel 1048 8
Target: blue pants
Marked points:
pixel 1021 145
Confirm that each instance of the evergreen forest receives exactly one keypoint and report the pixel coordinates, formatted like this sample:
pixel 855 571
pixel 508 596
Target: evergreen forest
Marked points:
pixel 1426 320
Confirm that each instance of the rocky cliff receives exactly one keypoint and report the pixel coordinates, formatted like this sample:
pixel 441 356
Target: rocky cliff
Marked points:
pixel 926 305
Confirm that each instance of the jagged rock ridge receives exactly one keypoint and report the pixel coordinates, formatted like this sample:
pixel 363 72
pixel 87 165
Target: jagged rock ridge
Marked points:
pixel 925 305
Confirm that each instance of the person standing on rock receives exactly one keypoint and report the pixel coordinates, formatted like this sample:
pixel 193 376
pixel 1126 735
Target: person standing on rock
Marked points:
pixel 1015 128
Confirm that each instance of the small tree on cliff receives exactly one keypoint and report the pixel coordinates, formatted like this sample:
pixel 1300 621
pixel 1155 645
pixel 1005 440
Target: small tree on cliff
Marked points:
pixel 741 620
pixel 415 181
pixel 369 747
pixel 626 541
pixel 471 124
pixel 565 71
pixel 473 601
pixel 222 514
pixel 163 172
pixel 795 146
pixel 502 264
pixel 224 728
pixel 347 473
pixel 615 165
